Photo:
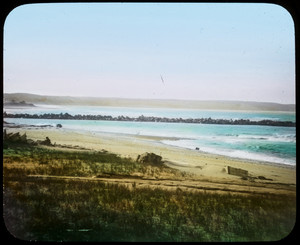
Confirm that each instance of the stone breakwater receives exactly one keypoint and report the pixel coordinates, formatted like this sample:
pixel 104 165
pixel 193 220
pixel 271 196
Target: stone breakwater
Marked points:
pixel 142 118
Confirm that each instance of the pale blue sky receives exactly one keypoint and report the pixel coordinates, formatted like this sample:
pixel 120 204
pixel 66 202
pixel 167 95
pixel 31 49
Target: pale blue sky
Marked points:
pixel 202 51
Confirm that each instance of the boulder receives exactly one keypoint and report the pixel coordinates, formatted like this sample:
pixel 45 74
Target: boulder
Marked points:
pixel 149 158
pixel 47 141
pixel 263 178
pixel 58 125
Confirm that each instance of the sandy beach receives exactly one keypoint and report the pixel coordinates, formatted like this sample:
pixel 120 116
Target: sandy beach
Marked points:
pixel 204 167
pixel 78 181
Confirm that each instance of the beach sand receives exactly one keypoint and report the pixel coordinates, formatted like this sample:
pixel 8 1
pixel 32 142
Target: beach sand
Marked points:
pixel 204 167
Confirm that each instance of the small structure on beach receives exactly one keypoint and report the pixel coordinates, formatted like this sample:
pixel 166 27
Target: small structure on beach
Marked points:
pixel 236 171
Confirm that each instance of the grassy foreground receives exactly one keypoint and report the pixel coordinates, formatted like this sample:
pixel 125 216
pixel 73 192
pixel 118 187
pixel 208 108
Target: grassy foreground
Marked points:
pixel 87 210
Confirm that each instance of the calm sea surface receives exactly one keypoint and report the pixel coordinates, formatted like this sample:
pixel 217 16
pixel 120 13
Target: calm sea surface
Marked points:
pixel 263 143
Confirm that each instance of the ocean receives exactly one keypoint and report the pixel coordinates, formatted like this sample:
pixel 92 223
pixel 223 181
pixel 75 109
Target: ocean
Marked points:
pixel 260 143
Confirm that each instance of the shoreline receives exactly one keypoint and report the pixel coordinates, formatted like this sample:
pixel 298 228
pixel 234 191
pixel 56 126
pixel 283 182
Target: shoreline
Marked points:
pixel 154 139
pixel 246 160
pixel 204 165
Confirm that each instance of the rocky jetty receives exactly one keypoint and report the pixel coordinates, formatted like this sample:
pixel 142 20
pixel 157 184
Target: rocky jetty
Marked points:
pixel 13 125
pixel 142 118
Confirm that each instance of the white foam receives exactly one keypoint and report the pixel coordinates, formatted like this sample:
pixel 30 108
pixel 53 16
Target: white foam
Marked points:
pixel 273 138
pixel 190 144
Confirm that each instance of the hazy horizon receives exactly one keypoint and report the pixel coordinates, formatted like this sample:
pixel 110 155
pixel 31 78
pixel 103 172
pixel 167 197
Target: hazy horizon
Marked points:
pixel 148 103
pixel 185 51
pixel 158 99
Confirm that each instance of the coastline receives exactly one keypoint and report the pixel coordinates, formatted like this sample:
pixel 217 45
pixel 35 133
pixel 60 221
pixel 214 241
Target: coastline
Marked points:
pixel 90 175
pixel 205 166
pixel 146 103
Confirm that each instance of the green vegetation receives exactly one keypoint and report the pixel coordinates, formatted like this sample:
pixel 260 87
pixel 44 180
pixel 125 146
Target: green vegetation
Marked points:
pixel 87 210
pixel 50 161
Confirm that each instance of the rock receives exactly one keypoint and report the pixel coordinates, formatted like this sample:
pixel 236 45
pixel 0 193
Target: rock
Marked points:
pixel 197 148
pixel 264 178
pixel 149 158
pixel 31 142
pixel 47 142
pixel 58 125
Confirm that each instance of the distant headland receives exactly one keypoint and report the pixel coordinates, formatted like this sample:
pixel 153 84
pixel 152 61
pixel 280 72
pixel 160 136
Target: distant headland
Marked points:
pixel 14 103
pixel 33 99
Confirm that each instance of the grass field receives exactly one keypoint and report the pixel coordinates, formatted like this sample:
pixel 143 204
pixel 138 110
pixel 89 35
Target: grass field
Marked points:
pixel 53 209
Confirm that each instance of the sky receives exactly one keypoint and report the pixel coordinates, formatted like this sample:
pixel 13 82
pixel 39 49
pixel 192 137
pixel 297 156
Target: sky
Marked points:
pixel 192 51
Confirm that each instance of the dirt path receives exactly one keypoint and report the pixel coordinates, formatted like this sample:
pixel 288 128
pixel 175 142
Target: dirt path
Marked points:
pixel 184 185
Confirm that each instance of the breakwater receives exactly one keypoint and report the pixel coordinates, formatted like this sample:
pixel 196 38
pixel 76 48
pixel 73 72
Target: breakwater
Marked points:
pixel 67 116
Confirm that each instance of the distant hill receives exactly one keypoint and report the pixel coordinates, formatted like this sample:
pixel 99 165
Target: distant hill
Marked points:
pixel 14 103
pixel 155 103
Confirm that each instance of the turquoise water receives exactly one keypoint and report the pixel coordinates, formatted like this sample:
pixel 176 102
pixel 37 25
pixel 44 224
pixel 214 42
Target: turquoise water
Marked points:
pixel 157 112
pixel 263 143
